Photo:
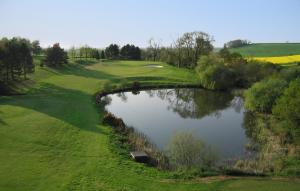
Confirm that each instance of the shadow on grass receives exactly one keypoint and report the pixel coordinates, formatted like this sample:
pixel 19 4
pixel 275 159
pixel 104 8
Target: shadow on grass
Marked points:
pixel 1 120
pixel 70 106
pixel 85 62
pixel 79 70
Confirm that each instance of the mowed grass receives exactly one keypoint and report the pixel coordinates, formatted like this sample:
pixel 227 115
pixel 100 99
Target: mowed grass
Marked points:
pixel 269 49
pixel 279 59
pixel 52 137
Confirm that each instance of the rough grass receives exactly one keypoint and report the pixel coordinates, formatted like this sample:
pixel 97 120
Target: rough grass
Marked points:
pixel 51 138
pixel 269 49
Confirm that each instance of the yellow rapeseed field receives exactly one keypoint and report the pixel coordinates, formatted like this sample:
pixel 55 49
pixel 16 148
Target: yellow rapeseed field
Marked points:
pixel 279 59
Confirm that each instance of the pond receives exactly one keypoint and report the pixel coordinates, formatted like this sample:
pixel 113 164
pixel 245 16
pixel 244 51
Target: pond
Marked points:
pixel 214 117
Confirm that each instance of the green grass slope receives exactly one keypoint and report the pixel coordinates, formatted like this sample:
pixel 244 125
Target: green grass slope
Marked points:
pixel 268 49
pixel 52 139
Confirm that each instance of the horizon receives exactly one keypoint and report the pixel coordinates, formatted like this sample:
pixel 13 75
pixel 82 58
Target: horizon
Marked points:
pixel 100 23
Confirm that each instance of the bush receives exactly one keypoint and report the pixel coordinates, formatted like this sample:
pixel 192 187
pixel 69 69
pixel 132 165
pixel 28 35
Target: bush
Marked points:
pixel 213 74
pixel 115 122
pixel 185 151
pixel 262 95
pixel 287 107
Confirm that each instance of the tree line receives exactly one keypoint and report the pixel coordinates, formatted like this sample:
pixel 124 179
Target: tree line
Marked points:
pixel 183 52
pixel 113 51
pixel 16 58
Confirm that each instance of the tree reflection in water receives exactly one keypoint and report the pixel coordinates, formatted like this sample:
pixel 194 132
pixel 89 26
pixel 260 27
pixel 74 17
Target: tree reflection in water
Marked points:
pixel 197 103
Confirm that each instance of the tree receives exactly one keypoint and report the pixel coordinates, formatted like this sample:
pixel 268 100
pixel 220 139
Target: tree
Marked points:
pixel 153 49
pixel 214 74
pixel 96 54
pixel 55 56
pixel 36 48
pixel 102 54
pixel 112 51
pixel 15 58
pixel 190 46
pixel 130 52
pixel 262 95
pixel 72 52
pixel 237 43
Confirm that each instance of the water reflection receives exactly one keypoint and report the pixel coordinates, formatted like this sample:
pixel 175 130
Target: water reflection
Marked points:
pixel 215 117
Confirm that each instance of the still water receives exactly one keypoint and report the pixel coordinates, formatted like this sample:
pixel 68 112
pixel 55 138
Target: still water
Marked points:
pixel 214 117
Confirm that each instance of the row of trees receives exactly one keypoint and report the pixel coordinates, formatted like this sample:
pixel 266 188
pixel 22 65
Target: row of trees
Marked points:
pixel 113 51
pixel 85 52
pixel 15 59
pixel 237 43
pixel 127 52
pixel 184 52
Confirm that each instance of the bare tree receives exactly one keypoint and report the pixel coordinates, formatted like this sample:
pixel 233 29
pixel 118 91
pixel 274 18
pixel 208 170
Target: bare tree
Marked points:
pixel 153 49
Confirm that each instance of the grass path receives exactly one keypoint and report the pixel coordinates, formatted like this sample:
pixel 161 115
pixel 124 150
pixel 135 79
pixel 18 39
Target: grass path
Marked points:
pixel 52 139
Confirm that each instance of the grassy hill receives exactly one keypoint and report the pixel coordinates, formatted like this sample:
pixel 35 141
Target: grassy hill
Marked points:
pixel 52 137
pixel 268 49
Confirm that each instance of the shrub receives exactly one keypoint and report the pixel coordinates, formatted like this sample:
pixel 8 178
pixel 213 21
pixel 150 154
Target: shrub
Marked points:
pixel 287 107
pixel 185 151
pixel 214 74
pixel 262 95
pixel 113 121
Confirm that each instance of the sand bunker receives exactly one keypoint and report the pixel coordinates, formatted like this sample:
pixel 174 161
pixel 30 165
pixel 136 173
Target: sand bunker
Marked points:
pixel 154 66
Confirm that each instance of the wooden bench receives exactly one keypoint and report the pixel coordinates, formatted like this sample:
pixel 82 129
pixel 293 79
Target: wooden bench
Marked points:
pixel 139 156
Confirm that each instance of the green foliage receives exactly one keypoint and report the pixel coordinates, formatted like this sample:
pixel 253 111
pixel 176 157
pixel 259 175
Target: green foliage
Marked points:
pixel 287 107
pixel 56 56
pixel 262 95
pixel 237 43
pixel 36 48
pixel 102 55
pixel 112 51
pixel 189 152
pixel 15 59
pixel 130 52
pixel 290 73
pixel 213 74
pixel 83 52
pixel 184 52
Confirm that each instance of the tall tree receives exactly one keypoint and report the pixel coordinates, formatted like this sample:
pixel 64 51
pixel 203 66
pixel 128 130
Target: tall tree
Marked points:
pixel 153 49
pixel 56 56
pixel 191 46
pixel 36 48
pixel 112 51
pixel 72 52
pixel 130 52
pixel 15 58
pixel 102 54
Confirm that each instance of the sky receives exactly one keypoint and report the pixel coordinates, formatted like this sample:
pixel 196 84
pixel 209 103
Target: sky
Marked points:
pixel 102 22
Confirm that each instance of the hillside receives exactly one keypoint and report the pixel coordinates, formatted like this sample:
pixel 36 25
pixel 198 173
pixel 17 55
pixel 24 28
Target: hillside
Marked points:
pixel 52 137
pixel 269 49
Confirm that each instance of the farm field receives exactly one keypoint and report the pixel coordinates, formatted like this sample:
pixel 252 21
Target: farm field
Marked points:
pixel 52 137
pixel 279 59
pixel 269 49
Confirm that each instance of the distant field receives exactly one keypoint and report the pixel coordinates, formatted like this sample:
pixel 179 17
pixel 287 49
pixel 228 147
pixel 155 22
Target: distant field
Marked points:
pixel 269 49
pixel 279 59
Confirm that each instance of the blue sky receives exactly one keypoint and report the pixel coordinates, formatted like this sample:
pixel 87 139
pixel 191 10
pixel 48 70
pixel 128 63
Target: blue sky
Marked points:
pixel 99 23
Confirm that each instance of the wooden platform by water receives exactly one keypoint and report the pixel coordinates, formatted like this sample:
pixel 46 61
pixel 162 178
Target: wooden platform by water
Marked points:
pixel 139 156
